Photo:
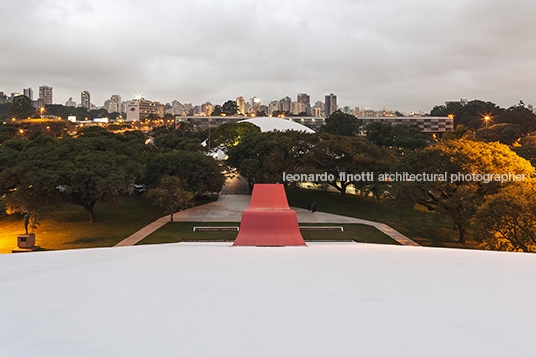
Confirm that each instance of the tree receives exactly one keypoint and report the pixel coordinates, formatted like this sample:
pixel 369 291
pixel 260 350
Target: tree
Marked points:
pixel 216 111
pixel 504 133
pixel 507 220
pixel 229 107
pixel 519 115
pixel 336 154
pixel 263 157
pixel 230 134
pixel 200 172
pixel 339 123
pixel 169 142
pixel 381 163
pixel 94 167
pixel 455 195
pixel 21 108
pixel 172 195
pixel 399 136
pixel 381 134
pixel 471 115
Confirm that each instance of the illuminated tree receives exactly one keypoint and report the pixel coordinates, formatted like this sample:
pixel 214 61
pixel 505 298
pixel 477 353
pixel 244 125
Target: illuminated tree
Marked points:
pixel 460 198
pixel 507 220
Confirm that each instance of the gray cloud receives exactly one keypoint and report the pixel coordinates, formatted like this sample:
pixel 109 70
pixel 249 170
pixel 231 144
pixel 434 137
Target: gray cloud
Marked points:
pixel 406 54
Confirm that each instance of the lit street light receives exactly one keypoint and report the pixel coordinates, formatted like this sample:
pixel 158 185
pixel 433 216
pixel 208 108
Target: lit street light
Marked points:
pixel 208 111
pixel 486 119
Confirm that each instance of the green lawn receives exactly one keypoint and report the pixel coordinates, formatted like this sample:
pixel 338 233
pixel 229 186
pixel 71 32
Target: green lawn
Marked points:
pixel 183 232
pixel 426 228
pixel 68 227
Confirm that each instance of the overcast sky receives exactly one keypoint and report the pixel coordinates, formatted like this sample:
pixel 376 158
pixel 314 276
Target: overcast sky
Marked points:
pixel 407 55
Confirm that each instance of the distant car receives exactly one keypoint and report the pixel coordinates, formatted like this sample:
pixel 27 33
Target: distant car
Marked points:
pixel 137 189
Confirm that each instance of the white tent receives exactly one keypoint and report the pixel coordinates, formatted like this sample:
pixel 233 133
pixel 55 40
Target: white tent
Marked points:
pixel 277 124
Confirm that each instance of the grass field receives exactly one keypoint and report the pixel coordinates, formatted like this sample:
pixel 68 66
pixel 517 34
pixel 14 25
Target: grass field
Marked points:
pixel 426 228
pixel 68 227
pixel 183 232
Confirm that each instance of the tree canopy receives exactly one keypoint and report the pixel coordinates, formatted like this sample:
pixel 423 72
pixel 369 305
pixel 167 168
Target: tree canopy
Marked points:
pixel 339 123
pixel 398 136
pixel 507 219
pixel 263 157
pixel 458 198
pixel 229 107
pixel 172 195
pixel 200 172
pixel 21 108
pixel 83 170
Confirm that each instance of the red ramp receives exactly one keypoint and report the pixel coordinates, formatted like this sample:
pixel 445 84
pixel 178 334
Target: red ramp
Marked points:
pixel 269 221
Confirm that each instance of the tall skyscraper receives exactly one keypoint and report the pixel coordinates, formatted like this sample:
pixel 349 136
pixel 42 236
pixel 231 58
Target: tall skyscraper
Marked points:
pixel 28 92
pixel 85 100
pixel 305 99
pixel 330 105
pixel 45 94
pixel 115 104
pixel 241 105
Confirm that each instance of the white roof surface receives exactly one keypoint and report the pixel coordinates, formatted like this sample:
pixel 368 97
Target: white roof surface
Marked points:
pixel 272 124
pixel 210 299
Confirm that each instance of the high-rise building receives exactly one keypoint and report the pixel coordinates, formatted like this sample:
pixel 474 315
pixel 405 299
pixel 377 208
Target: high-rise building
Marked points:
pixel 45 94
pixel 305 99
pixel 274 105
pixel 298 108
pixel 255 105
pixel 28 92
pixel 286 104
pixel 318 109
pixel 85 100
pixel 176 107
pixel 115 104
pixel 330 104
pixel 241 105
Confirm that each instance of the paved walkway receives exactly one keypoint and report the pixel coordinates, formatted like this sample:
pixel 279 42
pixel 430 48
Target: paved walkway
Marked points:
pixel 229 208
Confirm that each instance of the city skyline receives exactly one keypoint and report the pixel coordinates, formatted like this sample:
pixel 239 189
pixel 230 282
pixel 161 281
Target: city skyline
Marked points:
pixel 409 55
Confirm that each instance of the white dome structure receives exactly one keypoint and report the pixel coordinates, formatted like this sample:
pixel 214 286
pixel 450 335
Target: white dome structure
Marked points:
pixel 277 124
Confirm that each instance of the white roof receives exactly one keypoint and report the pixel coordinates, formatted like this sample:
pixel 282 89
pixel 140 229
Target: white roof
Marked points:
pixel 277 124
pixel 210 299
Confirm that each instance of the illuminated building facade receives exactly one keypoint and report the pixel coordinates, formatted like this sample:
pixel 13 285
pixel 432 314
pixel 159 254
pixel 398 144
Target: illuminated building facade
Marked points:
pixel 85 100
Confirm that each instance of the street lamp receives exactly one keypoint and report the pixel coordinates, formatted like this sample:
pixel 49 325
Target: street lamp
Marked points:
pixel 486 119
pixel 42 109
pixel 208 111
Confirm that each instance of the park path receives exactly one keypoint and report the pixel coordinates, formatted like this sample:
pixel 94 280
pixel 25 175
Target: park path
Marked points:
pixel 229 208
